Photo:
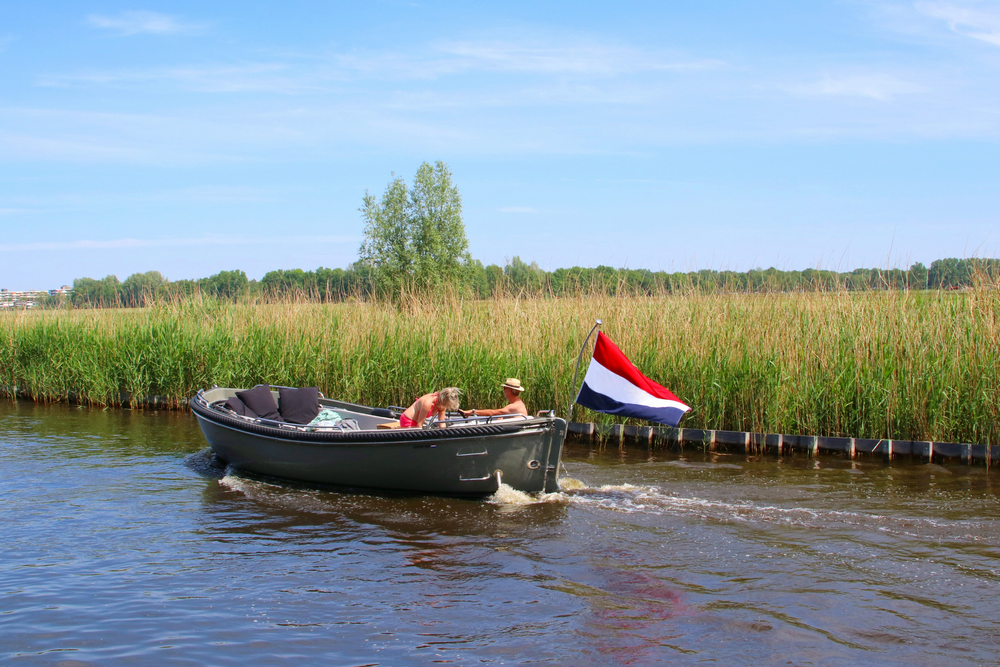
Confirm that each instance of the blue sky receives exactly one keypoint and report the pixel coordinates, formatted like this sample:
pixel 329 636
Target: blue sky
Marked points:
pixel 191 138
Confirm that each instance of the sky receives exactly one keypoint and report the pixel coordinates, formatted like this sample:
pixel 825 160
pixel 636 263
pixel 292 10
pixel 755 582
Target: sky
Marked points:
pixel 195 137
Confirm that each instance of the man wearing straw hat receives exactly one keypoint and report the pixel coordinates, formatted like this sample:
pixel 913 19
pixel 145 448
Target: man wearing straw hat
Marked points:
pixel 515 406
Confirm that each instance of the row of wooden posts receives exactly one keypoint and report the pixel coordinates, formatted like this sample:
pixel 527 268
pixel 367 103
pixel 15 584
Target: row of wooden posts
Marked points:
pixel 739 442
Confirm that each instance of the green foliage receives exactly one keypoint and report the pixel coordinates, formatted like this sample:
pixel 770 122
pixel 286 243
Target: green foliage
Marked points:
pixel 225 284
pixel 415 237
pixel 141 289
pixel 90 293
pixel 440 245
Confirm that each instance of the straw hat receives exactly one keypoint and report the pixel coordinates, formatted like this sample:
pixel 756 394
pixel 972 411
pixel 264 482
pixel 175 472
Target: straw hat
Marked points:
pixel 513 383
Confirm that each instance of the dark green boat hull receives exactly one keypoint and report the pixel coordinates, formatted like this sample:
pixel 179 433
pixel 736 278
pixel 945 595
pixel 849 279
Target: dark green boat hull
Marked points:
pixel 459 460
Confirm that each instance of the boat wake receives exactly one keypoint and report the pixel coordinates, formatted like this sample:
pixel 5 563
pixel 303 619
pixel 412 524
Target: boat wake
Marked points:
pixel 654 501
pixel 278 495
pixel 651 501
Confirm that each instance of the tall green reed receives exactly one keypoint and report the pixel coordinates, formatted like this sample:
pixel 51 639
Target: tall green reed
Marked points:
pixel 907 365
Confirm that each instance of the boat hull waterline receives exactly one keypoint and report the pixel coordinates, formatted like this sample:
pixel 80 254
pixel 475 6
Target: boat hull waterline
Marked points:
pixel 462 459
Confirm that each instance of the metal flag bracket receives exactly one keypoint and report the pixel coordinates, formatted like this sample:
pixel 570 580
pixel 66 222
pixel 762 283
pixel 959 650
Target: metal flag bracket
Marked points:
pixel 576 373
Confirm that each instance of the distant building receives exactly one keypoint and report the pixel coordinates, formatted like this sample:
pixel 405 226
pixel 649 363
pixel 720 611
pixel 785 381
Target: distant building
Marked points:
pixel 24 299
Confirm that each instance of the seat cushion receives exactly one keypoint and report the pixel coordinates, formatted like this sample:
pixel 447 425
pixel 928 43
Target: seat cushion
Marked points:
pixel 298 406
pixel 239 407
pixel 261 402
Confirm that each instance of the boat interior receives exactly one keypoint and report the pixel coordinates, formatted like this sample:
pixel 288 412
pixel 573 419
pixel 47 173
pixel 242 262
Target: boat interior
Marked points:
pixel 364 418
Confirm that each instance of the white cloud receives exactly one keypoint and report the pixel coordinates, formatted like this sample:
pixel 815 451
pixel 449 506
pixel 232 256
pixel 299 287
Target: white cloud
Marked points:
pixel 159 243
pixel 518 209
pixel 969 19
pixel 881 87
pixel 137 22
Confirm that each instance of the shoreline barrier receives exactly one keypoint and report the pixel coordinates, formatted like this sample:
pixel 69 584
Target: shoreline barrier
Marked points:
pixel 738 442
pixel 669 438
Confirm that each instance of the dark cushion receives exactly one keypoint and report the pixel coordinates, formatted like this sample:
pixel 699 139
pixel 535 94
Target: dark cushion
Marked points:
pixel 261 402
pixel 298 406
pixel 239 407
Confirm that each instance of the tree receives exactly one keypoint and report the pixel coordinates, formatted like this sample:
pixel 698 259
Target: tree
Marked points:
pixel 387 247
pixel 103 293
pixel 286 282
pixel 225 284
pixel 140 289
pixel 415 237
pixel 918 276
pixel 945 273
pixel 442 249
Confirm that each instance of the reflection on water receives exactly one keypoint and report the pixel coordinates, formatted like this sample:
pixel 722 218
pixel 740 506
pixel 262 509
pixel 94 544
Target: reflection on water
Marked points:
pixel 127 542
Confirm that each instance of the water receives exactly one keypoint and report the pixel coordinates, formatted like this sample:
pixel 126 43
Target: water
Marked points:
pixel 125 543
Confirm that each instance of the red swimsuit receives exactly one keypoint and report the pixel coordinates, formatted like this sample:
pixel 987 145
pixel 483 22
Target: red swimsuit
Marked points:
pixel 406 422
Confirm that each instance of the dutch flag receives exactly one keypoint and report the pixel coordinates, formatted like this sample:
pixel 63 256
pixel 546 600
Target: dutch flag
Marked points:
pixel 613 385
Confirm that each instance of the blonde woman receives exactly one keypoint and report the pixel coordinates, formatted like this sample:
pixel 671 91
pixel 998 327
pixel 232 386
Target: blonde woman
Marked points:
pixel 439 402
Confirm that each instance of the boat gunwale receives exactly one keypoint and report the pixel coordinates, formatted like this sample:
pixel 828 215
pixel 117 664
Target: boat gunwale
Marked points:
pixel 369 436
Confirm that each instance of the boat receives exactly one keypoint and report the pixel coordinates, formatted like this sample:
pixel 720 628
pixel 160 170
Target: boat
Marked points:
pixel 457 456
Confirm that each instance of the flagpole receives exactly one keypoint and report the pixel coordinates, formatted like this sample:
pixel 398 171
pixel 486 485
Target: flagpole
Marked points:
pixel 572 400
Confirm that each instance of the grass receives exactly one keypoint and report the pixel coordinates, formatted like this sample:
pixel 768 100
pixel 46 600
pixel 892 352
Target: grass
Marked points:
pixel 907 365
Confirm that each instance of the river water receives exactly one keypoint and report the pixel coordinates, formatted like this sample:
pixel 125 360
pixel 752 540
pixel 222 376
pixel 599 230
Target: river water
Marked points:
pixel 124 542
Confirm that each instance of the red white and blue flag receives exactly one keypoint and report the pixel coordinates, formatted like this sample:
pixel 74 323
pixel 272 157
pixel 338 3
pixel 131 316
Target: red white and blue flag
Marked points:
pixel 614 386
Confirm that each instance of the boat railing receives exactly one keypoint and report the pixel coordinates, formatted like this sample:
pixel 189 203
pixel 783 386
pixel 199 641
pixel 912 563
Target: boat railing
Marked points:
pixel 472 421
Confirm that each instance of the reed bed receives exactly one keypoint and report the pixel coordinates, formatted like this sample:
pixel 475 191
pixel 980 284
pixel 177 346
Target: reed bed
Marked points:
pixel 906 365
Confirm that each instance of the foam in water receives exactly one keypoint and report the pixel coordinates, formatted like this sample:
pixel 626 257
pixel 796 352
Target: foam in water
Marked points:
pixel 570 484
pixel 234 482
pixel 507 495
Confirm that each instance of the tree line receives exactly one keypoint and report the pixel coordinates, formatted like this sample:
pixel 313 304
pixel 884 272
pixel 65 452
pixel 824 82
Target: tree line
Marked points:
pixel 520 278
pixel 415 242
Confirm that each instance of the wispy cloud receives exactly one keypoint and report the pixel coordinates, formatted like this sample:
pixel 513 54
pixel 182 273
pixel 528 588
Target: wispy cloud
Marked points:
pixel 72 135
pixel 139 22
pixel 567 94
pixel 518 209
pixel 553 56
pixel 560 59
pixel 200 194
pixel 968 19
pixel 587 59
pixel 160 243
pixel 235 78
pixel 881 87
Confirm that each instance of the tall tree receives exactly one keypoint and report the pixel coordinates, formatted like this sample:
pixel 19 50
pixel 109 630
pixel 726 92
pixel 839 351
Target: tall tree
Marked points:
pixel 415 236
pixel 440 244
pixel 387 246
